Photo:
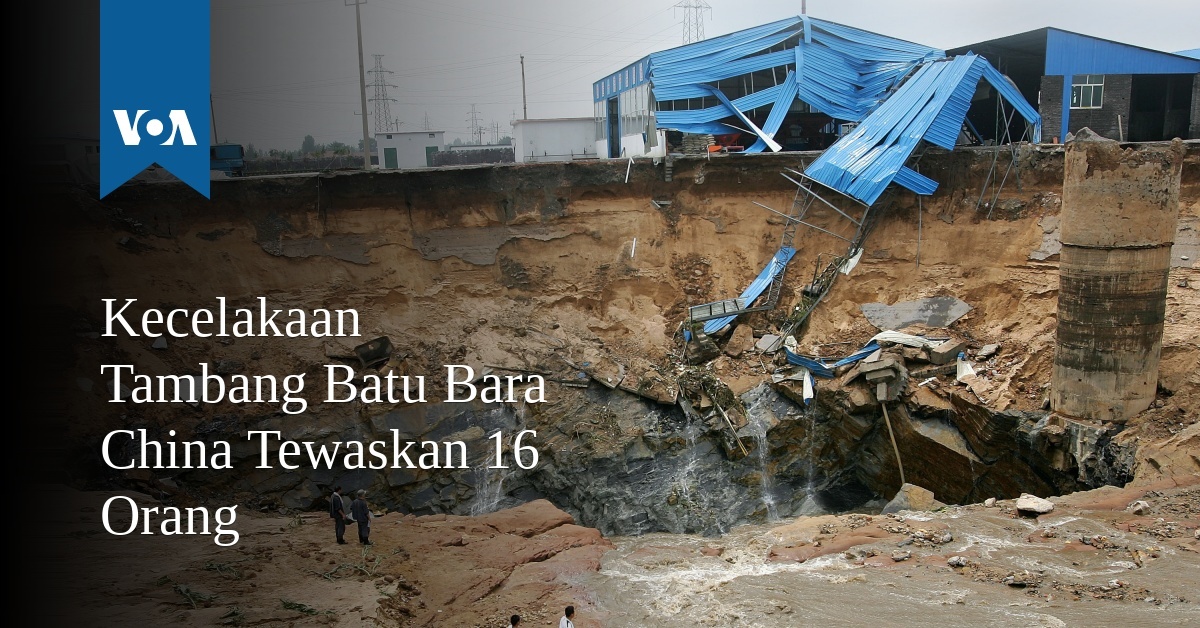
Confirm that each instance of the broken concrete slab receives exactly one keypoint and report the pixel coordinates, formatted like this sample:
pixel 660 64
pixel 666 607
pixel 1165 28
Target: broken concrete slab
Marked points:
pixel 987 351
pixel 932 311
pixel 882 375
pixel 947 352
pixel 768 343
pixel 159 343
pixel 886 361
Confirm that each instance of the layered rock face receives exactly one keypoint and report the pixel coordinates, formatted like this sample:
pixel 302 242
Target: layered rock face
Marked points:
pixel 627 466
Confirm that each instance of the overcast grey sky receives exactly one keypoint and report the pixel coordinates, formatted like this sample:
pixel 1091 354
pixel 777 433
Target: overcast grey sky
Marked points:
pixel 286 68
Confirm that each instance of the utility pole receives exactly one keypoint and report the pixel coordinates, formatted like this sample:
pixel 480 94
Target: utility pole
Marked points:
pixel 362 82
pixel 426 120
pixel 524 103
pixel 213 111
pixel 693 19
pixel 476 130
pixel 803 7
pixel 383 111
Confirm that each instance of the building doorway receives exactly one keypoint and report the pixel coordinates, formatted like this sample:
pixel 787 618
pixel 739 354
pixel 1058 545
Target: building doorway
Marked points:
pixel 614 129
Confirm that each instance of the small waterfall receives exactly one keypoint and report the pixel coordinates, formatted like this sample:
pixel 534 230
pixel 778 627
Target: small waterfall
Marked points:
pixel 687 474
pixel 766 481
pixel 759 416
pixel 489 490
pixel 810 506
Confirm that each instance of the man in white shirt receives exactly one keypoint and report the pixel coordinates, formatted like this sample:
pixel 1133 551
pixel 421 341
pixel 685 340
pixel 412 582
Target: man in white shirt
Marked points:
pixel 566 622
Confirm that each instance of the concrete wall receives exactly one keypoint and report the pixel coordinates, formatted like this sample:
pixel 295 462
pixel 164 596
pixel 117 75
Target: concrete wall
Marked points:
pixel 561 139
pixel 410 147
pixel 635 146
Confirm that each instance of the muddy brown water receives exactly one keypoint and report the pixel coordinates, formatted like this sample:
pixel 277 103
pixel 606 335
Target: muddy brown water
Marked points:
pixel 665 580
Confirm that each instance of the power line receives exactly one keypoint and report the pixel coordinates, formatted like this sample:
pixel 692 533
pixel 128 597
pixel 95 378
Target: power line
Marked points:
pixel 693 19
pixel 476 129
pixel 383 107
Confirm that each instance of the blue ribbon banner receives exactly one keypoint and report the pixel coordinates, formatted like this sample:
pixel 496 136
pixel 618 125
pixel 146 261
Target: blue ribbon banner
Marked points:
pixel 154 90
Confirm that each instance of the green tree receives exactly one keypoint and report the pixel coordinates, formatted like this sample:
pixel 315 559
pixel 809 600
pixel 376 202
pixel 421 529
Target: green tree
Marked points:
pixel 308 145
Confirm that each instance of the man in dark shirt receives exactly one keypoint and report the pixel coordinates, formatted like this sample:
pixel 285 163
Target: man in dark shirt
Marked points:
pixel 337 512
pixel 362 514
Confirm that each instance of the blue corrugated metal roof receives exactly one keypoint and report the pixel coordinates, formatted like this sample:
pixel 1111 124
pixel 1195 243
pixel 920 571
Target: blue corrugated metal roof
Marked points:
pixel 839 70
pixel 777 264
pixel 1193 53
pixel 1070 53
pixel 783 104
pixel 823 368
pixel 931 105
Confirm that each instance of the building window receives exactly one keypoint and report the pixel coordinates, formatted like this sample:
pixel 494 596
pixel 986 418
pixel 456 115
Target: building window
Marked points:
pixel 430 135
pixel 1087 91
pixel 389 137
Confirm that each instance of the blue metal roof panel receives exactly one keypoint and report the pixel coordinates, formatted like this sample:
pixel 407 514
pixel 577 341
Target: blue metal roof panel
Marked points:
pixel 1070 53
pixel 755 100
pixel 708 46
pixel 1193 53
pixel 760 284
pixel 775 119
pixel 931 105
pixel 725 70
pixel 841 71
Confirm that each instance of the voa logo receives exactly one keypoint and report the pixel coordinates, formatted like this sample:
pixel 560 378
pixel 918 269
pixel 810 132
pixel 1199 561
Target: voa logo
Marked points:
pixel 131 135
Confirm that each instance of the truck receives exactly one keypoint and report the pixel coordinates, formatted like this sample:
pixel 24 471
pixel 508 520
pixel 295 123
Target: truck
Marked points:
pixel 228 158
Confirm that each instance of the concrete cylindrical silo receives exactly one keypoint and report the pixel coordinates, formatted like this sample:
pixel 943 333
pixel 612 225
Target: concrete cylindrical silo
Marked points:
pixel 1119 213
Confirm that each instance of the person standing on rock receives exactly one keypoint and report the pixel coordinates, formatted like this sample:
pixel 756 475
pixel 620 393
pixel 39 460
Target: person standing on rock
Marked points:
pixel 568 616
pixel 337 512
pixel 362 514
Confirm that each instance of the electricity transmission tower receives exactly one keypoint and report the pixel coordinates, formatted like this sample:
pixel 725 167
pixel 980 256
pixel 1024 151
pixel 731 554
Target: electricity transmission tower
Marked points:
pixel 476 128
pixel 381 100
pixel 693 19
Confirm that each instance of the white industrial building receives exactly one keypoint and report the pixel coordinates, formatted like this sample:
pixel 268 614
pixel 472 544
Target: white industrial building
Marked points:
pixel 411 149
pixel 554 139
